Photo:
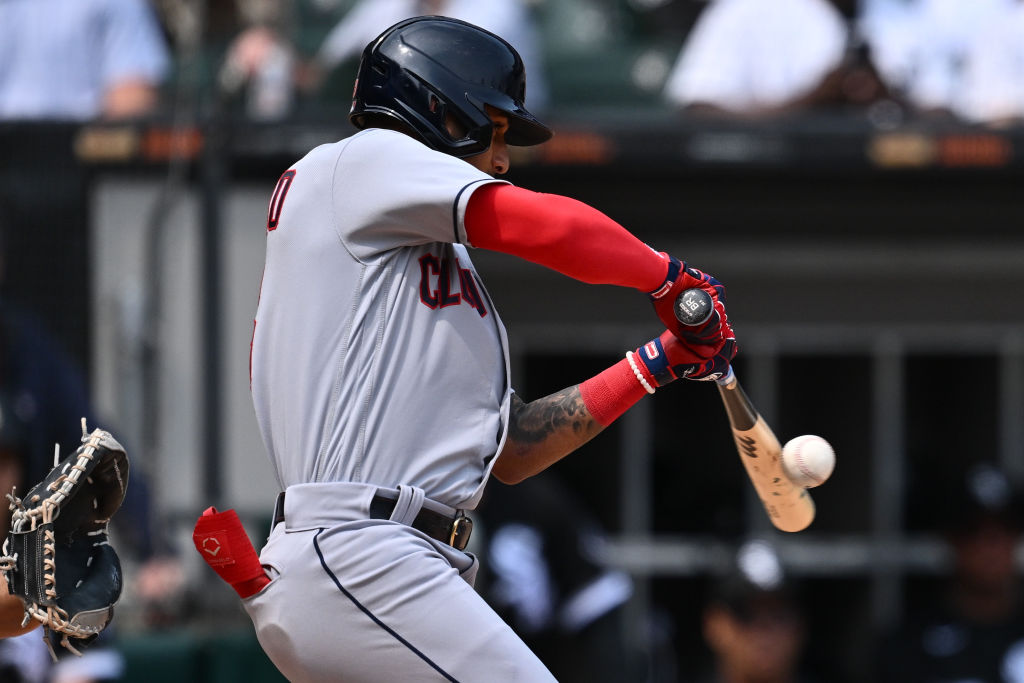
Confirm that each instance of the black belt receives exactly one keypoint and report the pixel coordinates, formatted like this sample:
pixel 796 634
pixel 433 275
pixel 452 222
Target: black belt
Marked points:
pixel 455 531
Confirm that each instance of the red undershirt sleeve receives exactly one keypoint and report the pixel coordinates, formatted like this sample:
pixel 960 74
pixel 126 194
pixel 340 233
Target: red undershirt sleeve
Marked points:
pixel 563 234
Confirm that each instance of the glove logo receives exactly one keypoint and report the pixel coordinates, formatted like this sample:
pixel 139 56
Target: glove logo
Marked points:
pixel 211 545
pixel 651 350
pixel 221 541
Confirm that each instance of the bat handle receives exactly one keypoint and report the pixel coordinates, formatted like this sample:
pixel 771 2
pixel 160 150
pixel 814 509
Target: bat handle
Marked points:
pixel 693 307
pixel 728 378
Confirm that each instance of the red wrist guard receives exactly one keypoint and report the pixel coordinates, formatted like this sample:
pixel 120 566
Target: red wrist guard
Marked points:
pixel 611 392
pixel 221 540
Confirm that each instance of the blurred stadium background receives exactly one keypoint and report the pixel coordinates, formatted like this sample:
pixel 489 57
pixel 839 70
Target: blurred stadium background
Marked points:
pixel 875 269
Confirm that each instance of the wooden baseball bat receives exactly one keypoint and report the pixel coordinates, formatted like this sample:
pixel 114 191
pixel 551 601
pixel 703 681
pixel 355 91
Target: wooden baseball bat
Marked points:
pixel 789 506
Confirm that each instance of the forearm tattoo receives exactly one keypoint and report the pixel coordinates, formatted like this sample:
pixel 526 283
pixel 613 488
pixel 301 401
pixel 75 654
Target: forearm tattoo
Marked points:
pixel 558 416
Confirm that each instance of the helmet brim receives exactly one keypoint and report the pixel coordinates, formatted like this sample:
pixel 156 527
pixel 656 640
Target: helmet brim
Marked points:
pixel 524 129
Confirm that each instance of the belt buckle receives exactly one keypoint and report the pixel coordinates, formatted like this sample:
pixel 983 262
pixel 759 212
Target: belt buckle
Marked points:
pixel 462 527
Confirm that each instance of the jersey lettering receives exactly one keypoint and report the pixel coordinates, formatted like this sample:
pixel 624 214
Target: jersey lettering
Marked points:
pixel 284 183
pixel 436 284
pixel 444 285
pixel 470 292
pixel 429 265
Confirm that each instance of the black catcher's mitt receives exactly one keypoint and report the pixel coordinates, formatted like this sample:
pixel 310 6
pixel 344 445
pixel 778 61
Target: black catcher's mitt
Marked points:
pixel 57 558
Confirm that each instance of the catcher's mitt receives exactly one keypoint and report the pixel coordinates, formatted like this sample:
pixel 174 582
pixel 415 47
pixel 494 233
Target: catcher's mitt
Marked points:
pixel 57 558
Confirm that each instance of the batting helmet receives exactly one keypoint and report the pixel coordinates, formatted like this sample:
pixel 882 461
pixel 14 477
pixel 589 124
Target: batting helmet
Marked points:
pixel 423 69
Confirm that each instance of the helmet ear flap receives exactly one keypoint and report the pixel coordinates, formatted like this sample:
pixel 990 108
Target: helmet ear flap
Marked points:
pixel 437 110
pixel 445 119
pixel 453 120
pixel 449 121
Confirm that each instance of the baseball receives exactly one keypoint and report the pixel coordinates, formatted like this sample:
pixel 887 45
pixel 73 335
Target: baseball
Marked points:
pixel 808 460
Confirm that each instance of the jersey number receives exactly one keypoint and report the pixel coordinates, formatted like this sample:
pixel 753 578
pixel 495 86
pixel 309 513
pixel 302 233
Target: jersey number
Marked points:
pixel 277 200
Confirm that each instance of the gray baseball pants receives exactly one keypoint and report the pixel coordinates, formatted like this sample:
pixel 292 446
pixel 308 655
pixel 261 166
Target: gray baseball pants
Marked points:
pixel 355 599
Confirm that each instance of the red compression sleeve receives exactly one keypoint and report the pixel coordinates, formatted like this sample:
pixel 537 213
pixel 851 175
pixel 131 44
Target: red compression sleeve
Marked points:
pixel 562 234
pixel 611 392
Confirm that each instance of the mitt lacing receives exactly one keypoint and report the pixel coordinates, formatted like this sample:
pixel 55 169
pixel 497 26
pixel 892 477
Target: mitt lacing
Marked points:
pixel 46 510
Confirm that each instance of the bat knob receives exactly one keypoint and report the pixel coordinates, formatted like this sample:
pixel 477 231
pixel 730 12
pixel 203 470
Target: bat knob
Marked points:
pixel 693 307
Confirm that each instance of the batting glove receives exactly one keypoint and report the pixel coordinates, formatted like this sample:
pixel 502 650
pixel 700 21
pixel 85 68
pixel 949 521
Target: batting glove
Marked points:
pixel 666 359
pixel 716 330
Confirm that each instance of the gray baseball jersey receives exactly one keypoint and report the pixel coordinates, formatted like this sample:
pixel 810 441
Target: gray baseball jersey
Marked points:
pixel 377 355
pixel 378 365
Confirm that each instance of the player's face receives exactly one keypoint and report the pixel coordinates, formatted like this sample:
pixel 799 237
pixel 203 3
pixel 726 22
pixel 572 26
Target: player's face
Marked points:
pixel 495 160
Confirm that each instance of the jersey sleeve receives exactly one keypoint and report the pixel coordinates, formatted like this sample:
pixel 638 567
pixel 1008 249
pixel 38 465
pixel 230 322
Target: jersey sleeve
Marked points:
pixel 392 191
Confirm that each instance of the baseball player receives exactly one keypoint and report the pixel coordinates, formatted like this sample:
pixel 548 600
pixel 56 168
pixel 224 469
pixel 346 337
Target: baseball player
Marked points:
pixel 380 367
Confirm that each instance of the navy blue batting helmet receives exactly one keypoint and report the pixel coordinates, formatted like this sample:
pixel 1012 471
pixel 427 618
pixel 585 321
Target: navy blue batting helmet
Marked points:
pixel 423 69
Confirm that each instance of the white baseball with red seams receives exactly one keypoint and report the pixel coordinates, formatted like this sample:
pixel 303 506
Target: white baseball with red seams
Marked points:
pixel 808 460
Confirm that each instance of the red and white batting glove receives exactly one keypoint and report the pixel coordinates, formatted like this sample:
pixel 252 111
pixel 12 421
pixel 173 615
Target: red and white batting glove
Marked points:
pixel 666 359
pixel 679 278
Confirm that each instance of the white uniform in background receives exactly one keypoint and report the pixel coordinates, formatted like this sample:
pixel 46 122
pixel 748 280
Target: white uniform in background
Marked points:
pixel 750 54
pixel 993 81
pixel 58 58
pixel 921 47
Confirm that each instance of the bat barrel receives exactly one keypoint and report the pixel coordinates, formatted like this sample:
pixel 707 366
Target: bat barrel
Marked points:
pixel 789 507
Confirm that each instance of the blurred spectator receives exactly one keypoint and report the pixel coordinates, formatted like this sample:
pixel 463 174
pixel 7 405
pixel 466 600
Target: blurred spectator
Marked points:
pixel 751 58
pixel 79 59
pixel 753 622
pixel 993 83
pixel 64 61
pixel 921 47
pixel 263 64
pixel 542 574
pixel 261 61
pixel 973 630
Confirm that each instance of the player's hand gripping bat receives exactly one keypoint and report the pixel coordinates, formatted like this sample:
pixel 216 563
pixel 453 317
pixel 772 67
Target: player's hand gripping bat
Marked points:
pixel 788 505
